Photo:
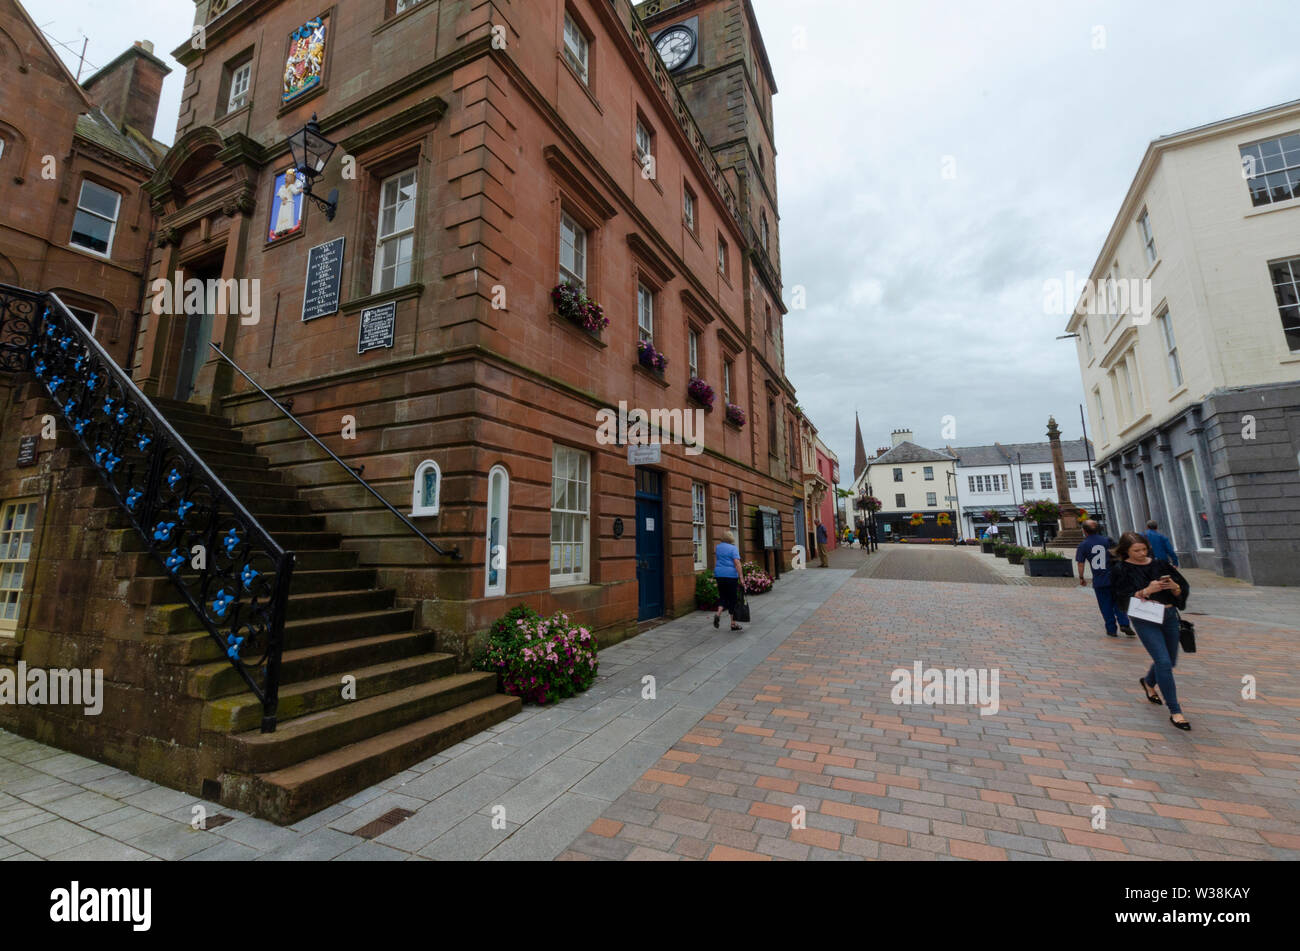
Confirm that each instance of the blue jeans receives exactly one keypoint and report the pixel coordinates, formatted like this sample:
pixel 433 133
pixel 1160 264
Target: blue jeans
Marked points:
pixel 1161 642
pixel 1110 612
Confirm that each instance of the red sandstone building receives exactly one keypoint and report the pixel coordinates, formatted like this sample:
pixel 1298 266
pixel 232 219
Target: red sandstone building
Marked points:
pixel 485 155
pixel 72 160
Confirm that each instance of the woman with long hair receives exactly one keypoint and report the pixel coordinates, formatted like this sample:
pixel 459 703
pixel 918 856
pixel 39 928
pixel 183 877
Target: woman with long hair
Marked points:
pixel 1139 576
pixel 726 571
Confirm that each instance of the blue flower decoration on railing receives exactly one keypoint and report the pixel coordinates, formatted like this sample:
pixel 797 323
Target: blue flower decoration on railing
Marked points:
pixel 144 443
pixel 247 575
pixel 65 343
pixel 100 453
pixel 79 425
pixel 70 407
pixel 92 381
pixel 183 508
pixel 49 329
pixel 174 560
pixel 111 461
pixel 163 531
pixel 173 477
pixel 78 362
pixel 132 497
pixel 39 369
pixel 232 541
pixel 55 383
pixel 233 651
pixel 222 602
pixel 108 406
pixel 122 416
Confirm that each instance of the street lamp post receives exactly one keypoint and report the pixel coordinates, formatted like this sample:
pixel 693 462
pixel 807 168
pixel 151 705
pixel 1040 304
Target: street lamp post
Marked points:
pixel 311 153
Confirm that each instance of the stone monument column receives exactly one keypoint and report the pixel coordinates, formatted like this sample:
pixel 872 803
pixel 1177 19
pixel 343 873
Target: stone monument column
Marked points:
pixel 1070 534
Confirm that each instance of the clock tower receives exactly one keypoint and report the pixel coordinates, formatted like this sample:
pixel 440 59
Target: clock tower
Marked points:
pixel 714 52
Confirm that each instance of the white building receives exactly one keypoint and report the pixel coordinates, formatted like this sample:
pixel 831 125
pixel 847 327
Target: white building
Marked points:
pixel 1002 477
pixel 909 480
pixel 1190 358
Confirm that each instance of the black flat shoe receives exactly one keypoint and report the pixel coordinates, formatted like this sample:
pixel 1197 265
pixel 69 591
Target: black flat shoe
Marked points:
pixel 1129 631
pixel 1182 726
pixel 1111 634
pixel 716 619
pixel 1150 692
pixel 736 627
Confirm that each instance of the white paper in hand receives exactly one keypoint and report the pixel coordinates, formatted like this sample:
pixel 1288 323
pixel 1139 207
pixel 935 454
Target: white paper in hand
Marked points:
pixel 1152 611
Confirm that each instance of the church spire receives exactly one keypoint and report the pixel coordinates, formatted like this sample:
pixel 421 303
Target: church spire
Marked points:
pixel 859 451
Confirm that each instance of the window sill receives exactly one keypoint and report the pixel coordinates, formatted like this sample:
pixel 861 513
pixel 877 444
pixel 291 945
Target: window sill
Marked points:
pixel 582 332
pixel 640 164
pixel 89 253
pixel 219 121
pixel 398 17
pixel 693 236
pixel 657 378
pixel 585 84
pixel 405 292
pixel 1153 268
pixel 1294 358
pixel 1180 392
pixel 1275 206
pixel 289 238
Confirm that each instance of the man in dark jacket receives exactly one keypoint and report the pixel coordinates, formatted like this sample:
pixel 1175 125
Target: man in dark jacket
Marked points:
pixel 822 538
pixel 1094 551
pixel 1161 546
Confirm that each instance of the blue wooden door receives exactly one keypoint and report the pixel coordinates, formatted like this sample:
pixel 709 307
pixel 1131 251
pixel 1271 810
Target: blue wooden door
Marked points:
pixel 649 545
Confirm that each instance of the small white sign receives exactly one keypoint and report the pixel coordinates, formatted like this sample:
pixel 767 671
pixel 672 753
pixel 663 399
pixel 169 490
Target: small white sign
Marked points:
pixel 649 525
pixel 651 455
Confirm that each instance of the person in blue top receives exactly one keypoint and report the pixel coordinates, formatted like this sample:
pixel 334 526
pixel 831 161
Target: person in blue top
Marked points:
pixel 726 571
pixel 1095 552
pixel 1161 546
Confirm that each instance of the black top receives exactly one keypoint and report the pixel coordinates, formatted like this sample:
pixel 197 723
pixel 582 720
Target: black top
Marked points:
pixel 1127 579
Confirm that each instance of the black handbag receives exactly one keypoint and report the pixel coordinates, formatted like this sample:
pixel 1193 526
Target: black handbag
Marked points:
pixel 742 606
pixel 1187 635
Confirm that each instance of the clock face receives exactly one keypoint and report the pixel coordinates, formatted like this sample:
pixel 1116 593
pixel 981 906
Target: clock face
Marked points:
pixel 676 45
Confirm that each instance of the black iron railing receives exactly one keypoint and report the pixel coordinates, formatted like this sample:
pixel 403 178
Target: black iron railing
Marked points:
pixel 453 553
pixel 227 567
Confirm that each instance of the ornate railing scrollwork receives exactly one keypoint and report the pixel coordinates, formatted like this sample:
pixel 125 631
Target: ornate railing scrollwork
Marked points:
pixel 227 567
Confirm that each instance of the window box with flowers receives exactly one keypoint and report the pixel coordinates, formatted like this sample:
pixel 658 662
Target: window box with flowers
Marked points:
pixel 579 309
pixel 917 519
pixel 701 393
pixel 651 359
pixel 735 416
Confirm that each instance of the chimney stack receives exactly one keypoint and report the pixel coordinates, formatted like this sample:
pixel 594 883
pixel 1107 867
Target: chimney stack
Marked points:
pixel 902 436
pixel 129 88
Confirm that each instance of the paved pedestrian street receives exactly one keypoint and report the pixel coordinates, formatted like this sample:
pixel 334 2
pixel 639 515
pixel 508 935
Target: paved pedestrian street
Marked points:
pixel 783 743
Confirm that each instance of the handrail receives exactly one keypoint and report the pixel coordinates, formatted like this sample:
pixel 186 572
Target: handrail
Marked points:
pixel 453 553
pixel 206 540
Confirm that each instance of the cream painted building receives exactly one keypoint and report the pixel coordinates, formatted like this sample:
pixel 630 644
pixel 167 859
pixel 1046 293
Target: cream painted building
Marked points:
pixel 1190 351
pixel 909 479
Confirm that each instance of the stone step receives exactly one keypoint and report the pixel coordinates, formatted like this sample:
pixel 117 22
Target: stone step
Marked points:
pixel 131 564
pixel 292 793
pixel 176 618
pixel 175 411
pixel 152 586
pixel 221 460
pixel 250 491
pixel 243 712
pixel 318 734
pixel 195 646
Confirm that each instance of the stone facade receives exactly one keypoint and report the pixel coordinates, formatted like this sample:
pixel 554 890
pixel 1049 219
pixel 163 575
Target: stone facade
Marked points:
pixel 1193 397
pixel 508 141
pixel 56 135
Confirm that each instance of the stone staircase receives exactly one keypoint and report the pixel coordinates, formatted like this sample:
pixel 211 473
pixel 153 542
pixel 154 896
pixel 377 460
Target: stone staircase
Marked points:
pixel 410 702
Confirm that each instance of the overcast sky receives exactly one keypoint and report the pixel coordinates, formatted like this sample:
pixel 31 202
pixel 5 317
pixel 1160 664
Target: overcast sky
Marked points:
pixel 925 292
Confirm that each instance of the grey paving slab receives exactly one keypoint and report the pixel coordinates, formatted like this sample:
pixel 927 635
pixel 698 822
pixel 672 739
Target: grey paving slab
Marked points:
pixel 611 778
pixel 258 833
pixel 319 846
pixel 132 822
pixel 528 798
pixel 83 805
pixel 443 814
pixel 551 831
pixel 50 838
pixel 100 849
pixel 372 852
pixel 226 850
pixel 525 761
pixel 468 841
pixel 174 841
pixel 161 800
pixel 440 779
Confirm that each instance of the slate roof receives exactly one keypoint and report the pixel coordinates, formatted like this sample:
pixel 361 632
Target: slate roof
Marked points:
pixel 906 452
pixel 1031 453
pixel 98 128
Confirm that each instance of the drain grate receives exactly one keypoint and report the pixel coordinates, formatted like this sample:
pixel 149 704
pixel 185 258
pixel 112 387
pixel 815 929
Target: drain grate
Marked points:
pixel 389 820
pixel 219 819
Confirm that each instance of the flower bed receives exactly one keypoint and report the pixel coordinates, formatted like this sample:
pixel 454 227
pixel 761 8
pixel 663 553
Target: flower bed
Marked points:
pixel 754 579
pixel 576 307
pixel 540 660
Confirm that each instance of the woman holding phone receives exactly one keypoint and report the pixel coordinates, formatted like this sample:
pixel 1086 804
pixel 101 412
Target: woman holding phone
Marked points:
pixel 1140 578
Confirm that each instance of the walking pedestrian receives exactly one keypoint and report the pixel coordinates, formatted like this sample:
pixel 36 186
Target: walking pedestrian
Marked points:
pixel 1094 551
pixel 727 572
pixel 1161 546
pixel 821 545
pixel 875 540
pixel 1153 587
